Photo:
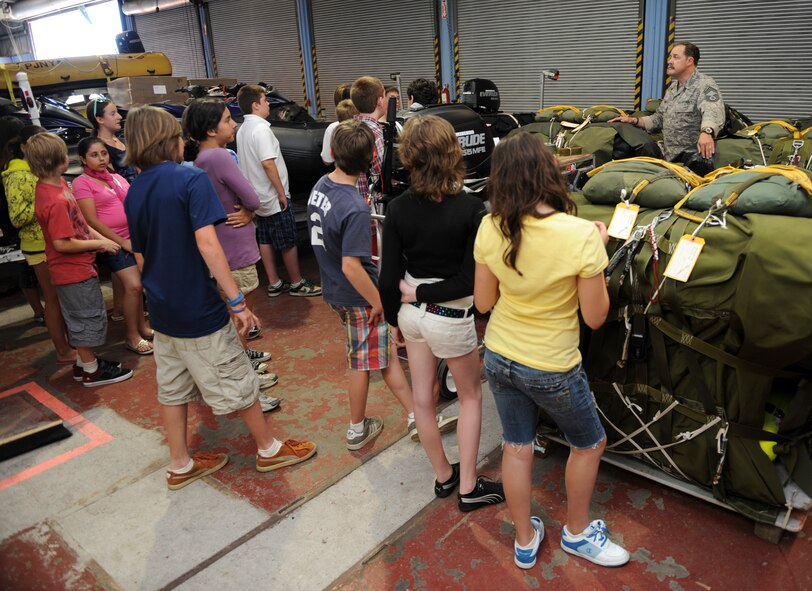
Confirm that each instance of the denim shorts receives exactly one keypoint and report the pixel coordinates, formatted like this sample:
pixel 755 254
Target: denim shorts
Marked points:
pixel 520 391
pixel 118 261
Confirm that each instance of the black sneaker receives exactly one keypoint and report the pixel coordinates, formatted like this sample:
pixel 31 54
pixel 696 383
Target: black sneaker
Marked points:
pixel 106 375
pixel 486 492
pixel 278 289
pixel 254 355
pixel 443 489
pixel 253 333
pixel 79 373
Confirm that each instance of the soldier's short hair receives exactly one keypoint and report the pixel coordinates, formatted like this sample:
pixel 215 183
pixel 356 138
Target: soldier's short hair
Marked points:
pixel 690 50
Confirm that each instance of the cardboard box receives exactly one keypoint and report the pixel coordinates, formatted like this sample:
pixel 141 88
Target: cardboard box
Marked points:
pixel 208 82
pixel 133 91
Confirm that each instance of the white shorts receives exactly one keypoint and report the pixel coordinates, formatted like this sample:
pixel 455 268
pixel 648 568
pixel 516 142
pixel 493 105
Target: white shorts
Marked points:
pixel 446 337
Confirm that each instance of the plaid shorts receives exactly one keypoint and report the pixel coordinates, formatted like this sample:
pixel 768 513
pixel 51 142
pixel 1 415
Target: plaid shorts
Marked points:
pixel 367 346
pixel 278 230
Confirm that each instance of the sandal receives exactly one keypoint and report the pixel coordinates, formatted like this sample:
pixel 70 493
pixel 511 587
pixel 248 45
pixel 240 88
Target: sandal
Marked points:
pixel 144 347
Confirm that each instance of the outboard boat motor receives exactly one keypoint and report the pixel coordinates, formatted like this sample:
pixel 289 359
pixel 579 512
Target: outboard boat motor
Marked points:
pixel 474 136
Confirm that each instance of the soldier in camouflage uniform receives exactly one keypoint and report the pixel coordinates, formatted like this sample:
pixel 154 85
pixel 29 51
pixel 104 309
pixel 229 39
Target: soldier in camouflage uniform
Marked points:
pixel 692 111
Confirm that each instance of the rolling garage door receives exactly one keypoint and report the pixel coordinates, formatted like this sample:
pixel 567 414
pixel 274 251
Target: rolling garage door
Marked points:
pixel 175 32
pixel 368 37
pixel 258 41
pixel 511 41
pixel 758 52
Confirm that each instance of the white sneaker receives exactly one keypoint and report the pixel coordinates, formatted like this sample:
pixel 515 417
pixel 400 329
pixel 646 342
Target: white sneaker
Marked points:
pixel 445 424
pixel 594 545
pixel 267 380
pixel 268 403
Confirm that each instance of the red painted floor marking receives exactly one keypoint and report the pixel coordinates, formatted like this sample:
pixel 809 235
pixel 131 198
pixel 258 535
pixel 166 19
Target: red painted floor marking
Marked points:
pixel 95 434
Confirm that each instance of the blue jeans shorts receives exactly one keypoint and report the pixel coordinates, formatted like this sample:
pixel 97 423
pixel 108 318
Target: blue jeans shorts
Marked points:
pixel 117 262
pixel 520 391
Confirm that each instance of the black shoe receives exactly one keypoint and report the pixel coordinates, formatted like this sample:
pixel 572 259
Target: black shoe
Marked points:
pixel 79 373
pixel 106 375
pixel 444 489
pixel 486 492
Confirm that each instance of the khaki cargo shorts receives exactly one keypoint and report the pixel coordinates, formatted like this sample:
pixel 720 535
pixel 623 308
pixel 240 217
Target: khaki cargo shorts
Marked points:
pixel 214 367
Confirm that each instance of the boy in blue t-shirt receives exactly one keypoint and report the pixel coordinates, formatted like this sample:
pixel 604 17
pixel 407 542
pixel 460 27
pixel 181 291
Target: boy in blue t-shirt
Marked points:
pixel 171 211
pixel 338 221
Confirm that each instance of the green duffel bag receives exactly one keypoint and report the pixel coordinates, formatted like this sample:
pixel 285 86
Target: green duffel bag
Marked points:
pixel 648 182
pixel 652 105
pixel 603 113
pixel 543 130
pixel 768 132
pixel 560 113
pixel 775 190
pixel 795 150
pixel 682 374
pixel 738 151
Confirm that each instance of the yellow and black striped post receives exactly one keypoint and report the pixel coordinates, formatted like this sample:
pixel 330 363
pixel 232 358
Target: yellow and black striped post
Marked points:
pixel 457 67
pixel 672 28
pixel 319 113
pixel 438 73
pixel 638 64
pixel 304 84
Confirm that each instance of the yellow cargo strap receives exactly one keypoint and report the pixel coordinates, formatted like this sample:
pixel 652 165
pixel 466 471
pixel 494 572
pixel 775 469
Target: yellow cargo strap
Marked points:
pixel 756 127
pixel 792 173
pixel 598 109
pixel 560 108
pixel 684 174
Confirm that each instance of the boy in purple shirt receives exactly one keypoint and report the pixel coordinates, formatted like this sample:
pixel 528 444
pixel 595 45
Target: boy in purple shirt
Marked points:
pixel 209 128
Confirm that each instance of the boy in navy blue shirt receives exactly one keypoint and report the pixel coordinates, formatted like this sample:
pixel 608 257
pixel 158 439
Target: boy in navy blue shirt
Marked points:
pixel 338 221
pixel 171 212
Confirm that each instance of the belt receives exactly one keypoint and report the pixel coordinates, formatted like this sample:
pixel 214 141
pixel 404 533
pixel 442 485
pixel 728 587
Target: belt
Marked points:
pixel 444 311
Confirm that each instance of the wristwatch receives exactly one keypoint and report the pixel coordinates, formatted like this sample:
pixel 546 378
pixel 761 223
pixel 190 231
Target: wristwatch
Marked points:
pixel 708 130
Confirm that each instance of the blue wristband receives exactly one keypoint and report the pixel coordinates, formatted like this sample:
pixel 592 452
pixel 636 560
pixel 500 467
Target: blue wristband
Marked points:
pixel 240 297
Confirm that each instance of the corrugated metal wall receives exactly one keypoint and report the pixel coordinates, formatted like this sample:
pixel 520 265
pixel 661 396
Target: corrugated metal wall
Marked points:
pixel 367 37
pixel 511 41
pixel 758 51
pixel 176 33
pixel 258 41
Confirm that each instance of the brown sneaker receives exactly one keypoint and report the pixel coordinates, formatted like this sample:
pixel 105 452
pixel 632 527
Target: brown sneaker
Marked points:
pixel 203 464
pixel 292 452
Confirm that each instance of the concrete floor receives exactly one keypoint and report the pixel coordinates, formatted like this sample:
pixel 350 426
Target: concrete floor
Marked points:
pixel 93 511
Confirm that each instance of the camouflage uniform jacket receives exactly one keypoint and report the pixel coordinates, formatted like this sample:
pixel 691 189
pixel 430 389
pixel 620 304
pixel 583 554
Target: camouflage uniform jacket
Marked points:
pixel 684 111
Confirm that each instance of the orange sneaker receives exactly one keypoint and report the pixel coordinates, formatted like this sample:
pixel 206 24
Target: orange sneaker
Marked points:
pixel 292 452
pixel 204 464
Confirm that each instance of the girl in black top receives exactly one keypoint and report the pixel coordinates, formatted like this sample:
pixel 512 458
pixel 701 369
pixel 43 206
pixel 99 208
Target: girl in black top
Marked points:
pixel 427 286
pixel 106 121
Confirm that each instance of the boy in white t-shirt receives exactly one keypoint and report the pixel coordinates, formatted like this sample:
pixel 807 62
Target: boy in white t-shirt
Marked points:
pixel 262 164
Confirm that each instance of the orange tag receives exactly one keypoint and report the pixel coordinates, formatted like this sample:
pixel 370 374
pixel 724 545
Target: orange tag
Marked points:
pixel 623 220
pixel 684 259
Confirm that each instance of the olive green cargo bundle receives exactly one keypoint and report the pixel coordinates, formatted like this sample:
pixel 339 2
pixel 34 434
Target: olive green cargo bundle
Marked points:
pixel 776 189
pixel 683 375
pixel 752 145
pixel 648 182
pixel 795 150
pixel 603 113
pixel 560 113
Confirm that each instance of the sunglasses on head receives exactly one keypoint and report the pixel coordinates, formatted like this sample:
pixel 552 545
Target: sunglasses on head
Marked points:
pixel 103 101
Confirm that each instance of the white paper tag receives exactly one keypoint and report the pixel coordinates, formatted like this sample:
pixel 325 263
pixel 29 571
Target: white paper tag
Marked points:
pixel 623 221
pixel 159 89
pixel 684 259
